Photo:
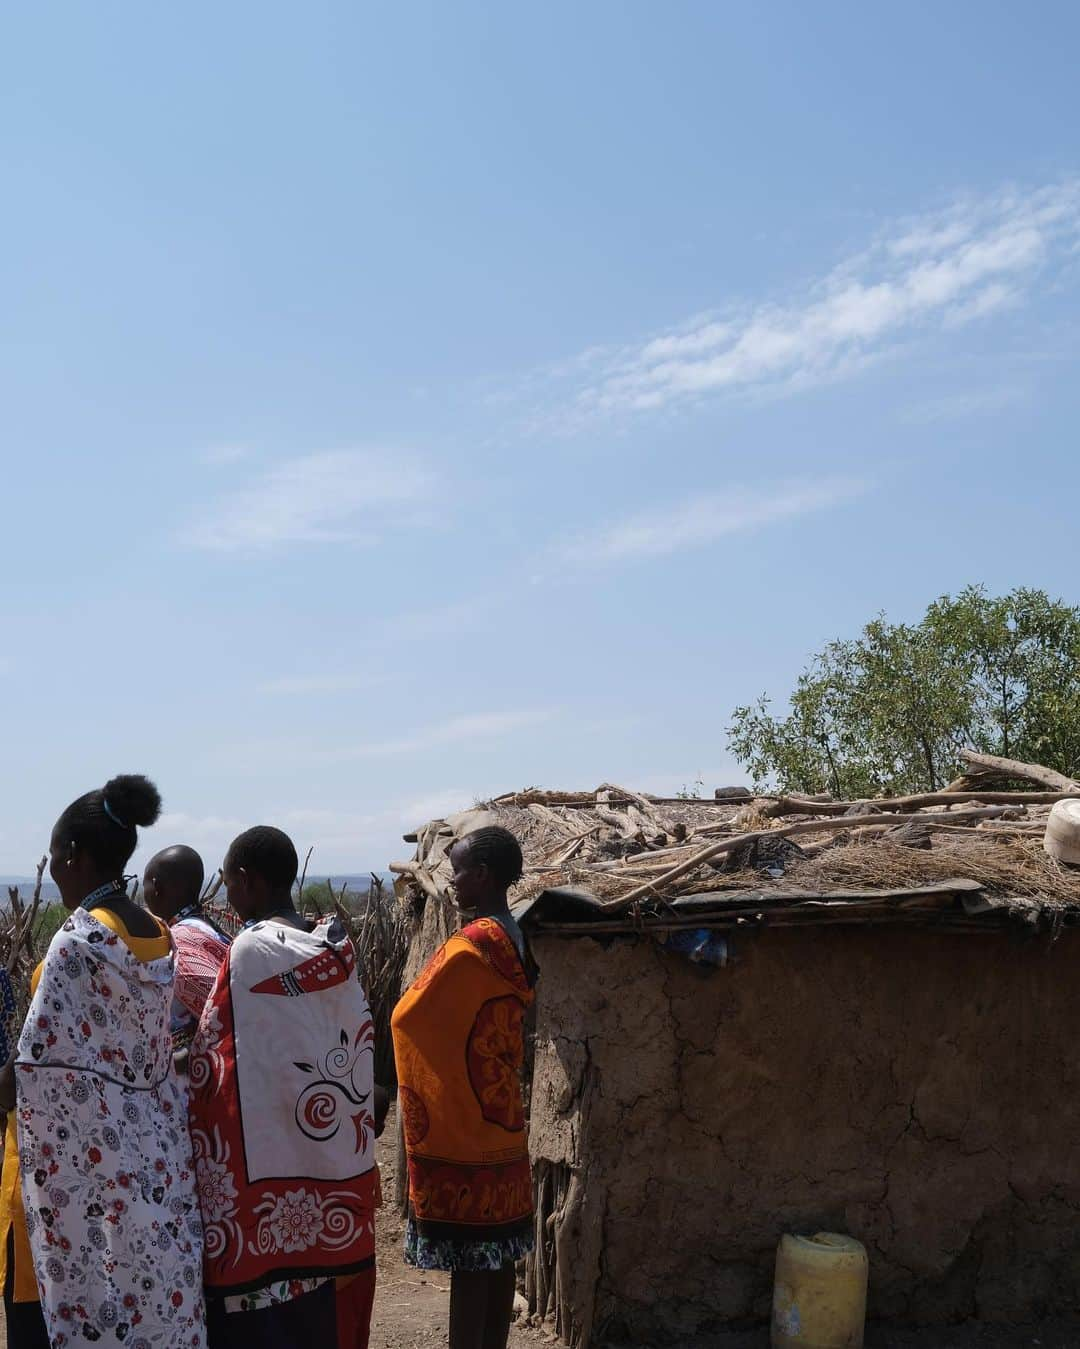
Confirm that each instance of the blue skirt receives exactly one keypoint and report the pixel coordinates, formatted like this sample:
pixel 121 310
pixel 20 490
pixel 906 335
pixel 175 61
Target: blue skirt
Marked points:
pixel 468 1256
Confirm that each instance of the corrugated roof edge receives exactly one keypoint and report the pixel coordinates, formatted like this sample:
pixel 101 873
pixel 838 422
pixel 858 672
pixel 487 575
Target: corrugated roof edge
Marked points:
pixel 959 904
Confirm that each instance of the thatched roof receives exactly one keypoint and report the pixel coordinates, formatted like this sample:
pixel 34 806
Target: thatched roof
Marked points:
pixel 958 858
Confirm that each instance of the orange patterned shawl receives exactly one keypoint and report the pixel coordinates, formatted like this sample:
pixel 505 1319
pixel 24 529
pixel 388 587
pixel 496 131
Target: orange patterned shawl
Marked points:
pixel 459 1042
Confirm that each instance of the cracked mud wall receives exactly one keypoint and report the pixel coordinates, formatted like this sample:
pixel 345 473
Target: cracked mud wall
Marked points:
pixel 918 1090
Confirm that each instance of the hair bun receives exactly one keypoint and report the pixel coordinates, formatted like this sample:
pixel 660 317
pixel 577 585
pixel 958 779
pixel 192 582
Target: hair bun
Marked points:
pixel 134 799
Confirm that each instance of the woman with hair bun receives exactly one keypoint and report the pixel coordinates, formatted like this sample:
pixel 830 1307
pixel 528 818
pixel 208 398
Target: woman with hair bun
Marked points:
pixel 109 1213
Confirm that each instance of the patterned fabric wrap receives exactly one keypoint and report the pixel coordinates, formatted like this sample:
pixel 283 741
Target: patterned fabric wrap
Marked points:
pixel 9 1016
pixel 281 1077
pixel 107 1176
pixel 272 1294
pixel 459 1044
pixel 471 1257
pixel 200 952
pixel 12 1218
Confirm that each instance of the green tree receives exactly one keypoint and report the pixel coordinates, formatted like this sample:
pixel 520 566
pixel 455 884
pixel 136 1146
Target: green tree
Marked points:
pixel 889 710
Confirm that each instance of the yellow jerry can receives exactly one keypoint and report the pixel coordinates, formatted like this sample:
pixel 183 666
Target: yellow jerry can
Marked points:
pixel 819 1297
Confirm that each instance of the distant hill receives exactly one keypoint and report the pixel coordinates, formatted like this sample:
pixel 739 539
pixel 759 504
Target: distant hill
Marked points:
pixel 49 892
pixel 358 882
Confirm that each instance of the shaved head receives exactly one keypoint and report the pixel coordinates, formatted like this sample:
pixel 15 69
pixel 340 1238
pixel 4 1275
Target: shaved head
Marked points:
pixel 173 879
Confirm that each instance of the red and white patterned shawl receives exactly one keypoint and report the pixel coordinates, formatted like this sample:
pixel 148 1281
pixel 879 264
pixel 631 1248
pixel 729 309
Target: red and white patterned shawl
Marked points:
pixel 200 953
pixel 281 1111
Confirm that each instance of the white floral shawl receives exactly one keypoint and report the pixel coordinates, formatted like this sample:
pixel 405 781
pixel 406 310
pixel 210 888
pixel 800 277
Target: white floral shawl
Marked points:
pixel 107 1175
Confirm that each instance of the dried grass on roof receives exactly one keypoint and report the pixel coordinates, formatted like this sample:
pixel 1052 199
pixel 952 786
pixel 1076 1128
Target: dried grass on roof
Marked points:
pixel 1006 866
pixel 616 843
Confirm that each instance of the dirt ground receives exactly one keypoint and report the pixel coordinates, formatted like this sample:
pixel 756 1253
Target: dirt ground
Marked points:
pixel 412 1308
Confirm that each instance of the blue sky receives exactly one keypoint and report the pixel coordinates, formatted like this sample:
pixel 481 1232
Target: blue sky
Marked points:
pixel 403 404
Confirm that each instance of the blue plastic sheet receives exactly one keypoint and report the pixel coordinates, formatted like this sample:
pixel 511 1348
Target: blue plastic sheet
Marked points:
pixel 699 945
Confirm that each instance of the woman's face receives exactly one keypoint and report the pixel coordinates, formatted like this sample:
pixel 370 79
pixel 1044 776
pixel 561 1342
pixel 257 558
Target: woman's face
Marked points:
pixel 469 881
pixel 238 889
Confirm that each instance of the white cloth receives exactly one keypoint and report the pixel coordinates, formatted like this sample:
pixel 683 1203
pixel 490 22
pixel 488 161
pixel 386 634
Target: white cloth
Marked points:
pixel 107 1174
pixel 281 1110
pixel 320 1045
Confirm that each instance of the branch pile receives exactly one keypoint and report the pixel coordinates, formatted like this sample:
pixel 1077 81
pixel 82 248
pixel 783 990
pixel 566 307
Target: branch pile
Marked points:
pixel 637 853
pixel 21 944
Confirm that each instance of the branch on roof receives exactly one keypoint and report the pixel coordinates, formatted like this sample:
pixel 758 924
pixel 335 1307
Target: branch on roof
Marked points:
pixel 804 805
pixel 1024 772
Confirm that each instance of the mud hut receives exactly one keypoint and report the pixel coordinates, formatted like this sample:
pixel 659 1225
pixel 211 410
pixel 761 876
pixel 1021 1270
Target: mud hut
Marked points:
pixel 781 1015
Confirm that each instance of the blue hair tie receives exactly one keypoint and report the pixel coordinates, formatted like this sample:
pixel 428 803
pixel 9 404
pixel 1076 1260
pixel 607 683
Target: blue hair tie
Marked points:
pixel 112 814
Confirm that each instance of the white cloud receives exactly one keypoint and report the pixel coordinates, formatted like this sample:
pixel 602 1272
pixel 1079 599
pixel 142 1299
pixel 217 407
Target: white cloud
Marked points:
pixel 409 626
pixel 350 839
pixel 705 517
pixel 968 403
pixel 945 270
pixel 457 730
pixel 436 806
pixel 344 841
pixel 209 835
pixel 341 495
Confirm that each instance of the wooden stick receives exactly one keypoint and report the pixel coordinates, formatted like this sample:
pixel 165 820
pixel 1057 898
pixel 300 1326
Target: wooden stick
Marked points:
pixel 588 802
pixel 648 856
pixel 550 817
pixel 1027 772
pixel 797 805
pixel 418 874
pixel 660 822
pixel 864 821
pixel 1000 827
pixel 623 825
pixel 303 878
pixel 574 846
pixel 213 885
pixel 805 827
pixel 23 925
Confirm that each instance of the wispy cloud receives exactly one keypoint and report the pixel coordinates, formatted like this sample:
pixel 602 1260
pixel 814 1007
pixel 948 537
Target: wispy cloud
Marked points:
pixel 968 403
pixel 209 835
pixel 455 731
pixel 704 518
pixel 418 625
pixel 945 270
pixel 319 498
pixel 371 837
pixel 344 840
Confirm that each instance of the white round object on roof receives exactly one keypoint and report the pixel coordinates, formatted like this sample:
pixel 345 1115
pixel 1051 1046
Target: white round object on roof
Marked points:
pixel 1062 839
